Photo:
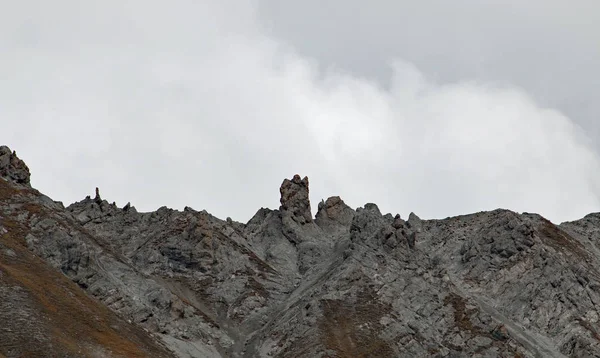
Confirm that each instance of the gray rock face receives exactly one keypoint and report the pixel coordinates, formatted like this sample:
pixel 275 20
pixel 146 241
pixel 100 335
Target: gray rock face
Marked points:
pixel 334 215
pixel 294 199
pixel 12 168
pixel 348 283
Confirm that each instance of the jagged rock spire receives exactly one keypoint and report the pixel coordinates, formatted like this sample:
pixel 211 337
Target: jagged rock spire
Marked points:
pixel 97 198
pixel 13 168
pixel 294 199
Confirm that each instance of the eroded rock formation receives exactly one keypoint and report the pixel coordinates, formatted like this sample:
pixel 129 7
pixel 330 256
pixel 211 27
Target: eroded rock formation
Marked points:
pixel 347 283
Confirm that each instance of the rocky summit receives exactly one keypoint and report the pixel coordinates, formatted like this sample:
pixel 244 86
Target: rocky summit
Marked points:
pixel 97 280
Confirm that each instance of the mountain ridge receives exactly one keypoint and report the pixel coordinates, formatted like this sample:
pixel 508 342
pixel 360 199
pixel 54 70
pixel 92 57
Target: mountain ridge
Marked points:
pixel 344 283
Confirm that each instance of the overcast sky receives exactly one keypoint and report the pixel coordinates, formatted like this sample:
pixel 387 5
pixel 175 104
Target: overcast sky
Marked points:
pixel 441 108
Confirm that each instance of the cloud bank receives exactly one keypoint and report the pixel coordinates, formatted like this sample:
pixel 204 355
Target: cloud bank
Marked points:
pixel 195 104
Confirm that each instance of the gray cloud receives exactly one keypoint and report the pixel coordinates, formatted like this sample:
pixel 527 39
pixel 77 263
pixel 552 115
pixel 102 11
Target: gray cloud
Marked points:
pixel 197 104
pixel 549 48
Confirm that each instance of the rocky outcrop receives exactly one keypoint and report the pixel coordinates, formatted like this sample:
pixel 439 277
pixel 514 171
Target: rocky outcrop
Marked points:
pixel 348 283
pixel 12 168
pixel 333 214
pixel 47 259
pixel 294 199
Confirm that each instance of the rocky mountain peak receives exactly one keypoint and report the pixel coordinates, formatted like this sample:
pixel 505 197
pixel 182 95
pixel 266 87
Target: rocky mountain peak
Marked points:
pixel 334 210
pixel 12 168
pixel 294 199
pixel 96 280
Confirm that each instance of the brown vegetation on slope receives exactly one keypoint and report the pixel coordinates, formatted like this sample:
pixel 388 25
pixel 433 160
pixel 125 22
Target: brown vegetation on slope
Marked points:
pixel 351 329
pixel 44 314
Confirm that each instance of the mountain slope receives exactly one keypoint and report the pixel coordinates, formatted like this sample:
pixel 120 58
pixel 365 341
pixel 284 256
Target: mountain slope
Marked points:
pixel 42 312
pixel 344 283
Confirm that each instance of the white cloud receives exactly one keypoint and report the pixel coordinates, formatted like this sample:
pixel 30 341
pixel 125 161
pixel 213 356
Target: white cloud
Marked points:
pixel 192 104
